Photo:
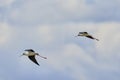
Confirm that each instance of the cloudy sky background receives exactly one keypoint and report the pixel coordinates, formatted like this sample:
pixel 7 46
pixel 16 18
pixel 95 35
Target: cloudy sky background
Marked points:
pixel 49 27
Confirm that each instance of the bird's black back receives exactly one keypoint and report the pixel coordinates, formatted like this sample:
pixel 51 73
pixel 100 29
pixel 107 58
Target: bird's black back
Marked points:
pixel 30 50
pixel 83 33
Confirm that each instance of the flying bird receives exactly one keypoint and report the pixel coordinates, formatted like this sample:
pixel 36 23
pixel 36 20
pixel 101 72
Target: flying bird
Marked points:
pixel 85 34
pixel 31 55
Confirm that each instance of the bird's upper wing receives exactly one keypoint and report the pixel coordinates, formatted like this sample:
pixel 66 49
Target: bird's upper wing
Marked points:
pixel 30 50
pixel 32 58
pixel 85 32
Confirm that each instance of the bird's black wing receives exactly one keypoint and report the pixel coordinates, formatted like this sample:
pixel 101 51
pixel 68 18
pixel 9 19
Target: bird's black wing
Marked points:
pixel 85 32
pixel 90 37
pixel 31 50
pixel 32 58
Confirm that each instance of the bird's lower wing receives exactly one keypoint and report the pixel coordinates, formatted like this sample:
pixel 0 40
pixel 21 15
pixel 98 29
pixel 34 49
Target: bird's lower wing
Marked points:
pixel 92 38
pixel 32 58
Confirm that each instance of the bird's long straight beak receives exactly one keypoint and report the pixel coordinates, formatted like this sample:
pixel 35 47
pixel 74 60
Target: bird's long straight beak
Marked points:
pixel 42 57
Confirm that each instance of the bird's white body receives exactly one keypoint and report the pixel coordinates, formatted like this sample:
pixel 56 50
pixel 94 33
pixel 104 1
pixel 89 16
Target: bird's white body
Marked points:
pixel 83 35
pixel 31 55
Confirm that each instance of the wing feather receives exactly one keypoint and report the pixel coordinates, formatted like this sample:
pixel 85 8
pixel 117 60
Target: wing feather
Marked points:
pixel 90 37
pixel 32 58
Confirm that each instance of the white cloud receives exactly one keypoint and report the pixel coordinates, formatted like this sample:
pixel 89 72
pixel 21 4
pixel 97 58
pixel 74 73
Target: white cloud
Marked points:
pixel 6 2
pixel 45 34
pixel 74 57
pixel 69 56
pixel 5 33
pixel 43 12
pixel 69 5
pixel 80 57
pixel 109 38
pixel 66 60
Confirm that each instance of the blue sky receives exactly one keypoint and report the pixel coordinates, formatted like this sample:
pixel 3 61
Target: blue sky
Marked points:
pixel 49 27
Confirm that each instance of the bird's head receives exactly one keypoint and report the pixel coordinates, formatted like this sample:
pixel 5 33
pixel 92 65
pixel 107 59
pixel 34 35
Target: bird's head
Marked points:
pixel 23 54
pixel 80 34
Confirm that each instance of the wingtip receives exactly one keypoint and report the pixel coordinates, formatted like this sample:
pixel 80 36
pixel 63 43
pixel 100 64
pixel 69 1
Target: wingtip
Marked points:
pixel 45 57
pixel 97 39
pixel 38 64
